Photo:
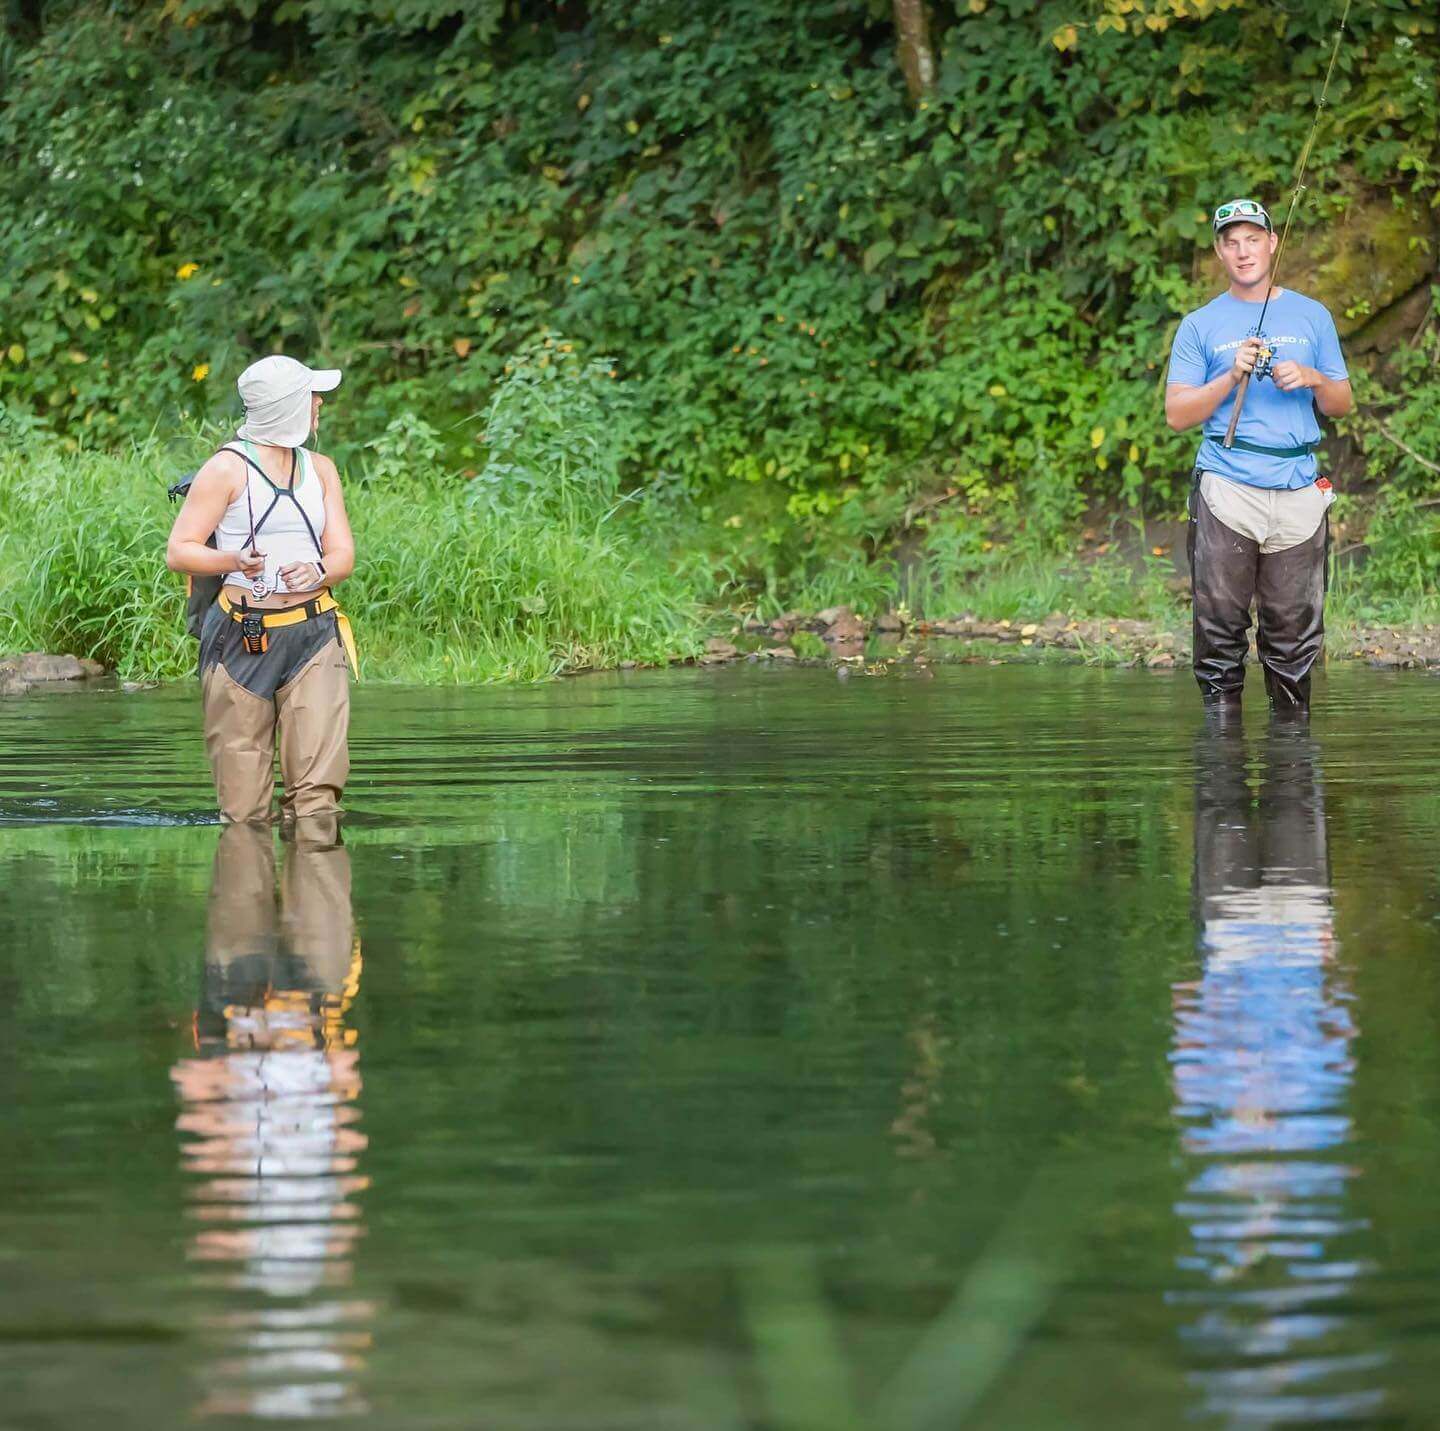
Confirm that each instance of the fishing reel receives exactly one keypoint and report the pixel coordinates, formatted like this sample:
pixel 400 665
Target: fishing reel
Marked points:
pixel 1266 360
pixel 260 588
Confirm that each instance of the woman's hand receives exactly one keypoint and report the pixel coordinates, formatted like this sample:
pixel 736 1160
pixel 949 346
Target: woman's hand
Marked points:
pixel 250 564
pixel 302 576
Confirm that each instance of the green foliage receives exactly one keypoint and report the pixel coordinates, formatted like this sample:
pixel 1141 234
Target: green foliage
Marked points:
pixel 1397 428
pixel 810 284
pixel 529 583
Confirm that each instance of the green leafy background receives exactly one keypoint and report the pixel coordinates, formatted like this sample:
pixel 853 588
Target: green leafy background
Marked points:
pixel 824 296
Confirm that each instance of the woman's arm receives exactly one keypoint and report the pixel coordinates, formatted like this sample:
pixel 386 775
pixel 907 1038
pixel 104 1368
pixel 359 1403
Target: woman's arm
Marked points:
pixel 337 546
pixel 216 485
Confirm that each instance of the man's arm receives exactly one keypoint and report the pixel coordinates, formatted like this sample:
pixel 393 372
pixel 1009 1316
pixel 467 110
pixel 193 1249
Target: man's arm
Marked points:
pixel 1188 406
pixel 1332 395
pixel 1327 378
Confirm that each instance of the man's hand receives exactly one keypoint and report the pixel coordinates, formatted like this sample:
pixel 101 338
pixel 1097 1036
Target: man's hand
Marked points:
pixel 1187 406
pixel 1246 356
pixel 1289 377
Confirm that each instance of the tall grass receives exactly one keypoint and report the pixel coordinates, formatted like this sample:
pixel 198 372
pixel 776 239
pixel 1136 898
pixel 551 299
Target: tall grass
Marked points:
pixel 538 564
pixel 532 571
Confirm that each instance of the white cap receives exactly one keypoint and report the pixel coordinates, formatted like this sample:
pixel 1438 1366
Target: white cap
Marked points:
pixel 276 393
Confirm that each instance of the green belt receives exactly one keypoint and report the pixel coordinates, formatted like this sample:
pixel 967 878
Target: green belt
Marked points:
pixel 1302 451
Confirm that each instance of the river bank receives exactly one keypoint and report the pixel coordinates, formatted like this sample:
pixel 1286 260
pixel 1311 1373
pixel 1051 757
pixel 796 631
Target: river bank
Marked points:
pixel 458 589
pixel 839 638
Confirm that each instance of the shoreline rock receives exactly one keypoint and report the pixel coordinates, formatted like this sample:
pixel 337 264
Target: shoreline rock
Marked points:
pixel 31 669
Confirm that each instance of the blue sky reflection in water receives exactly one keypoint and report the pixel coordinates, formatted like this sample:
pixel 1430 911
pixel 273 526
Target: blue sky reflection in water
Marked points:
pixel 729 1049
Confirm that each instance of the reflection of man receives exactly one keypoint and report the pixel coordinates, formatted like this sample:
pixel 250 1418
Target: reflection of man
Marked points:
pixel 269 1107
pixel 1262 1072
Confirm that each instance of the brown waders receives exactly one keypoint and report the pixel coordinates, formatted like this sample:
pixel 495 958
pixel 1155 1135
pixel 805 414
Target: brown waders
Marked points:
pixel 1229 571
pixel 296 689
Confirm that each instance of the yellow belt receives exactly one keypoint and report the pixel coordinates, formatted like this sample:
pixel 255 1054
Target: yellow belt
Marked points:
pixel 294 615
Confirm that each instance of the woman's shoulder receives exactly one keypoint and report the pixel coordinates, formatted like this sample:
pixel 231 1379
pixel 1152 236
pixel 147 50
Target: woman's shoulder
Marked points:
pixel 324 466
pixel 224 466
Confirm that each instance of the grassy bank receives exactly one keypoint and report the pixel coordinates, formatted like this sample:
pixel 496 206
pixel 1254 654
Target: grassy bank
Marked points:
pixel 456 584
pixel 447 590
pixel 536 561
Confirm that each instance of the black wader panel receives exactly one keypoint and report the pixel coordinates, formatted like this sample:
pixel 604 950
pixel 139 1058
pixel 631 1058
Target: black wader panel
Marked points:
pixel 1228 572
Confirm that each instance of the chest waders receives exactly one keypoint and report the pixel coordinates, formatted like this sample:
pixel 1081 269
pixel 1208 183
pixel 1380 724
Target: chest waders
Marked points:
pixel 277 680
pixel 1228 571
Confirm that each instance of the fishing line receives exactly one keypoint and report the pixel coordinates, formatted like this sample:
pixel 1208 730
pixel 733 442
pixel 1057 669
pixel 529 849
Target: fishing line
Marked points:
pixel 1271 284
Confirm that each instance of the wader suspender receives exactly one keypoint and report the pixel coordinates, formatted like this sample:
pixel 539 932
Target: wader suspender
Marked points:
pixel 252 627
pixel 275 500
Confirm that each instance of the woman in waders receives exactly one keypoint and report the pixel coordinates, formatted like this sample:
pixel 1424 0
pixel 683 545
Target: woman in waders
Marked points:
pixel 275 649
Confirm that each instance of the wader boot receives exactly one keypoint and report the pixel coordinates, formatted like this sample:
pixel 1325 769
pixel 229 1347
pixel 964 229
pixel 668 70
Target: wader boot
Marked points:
pixel 1228 572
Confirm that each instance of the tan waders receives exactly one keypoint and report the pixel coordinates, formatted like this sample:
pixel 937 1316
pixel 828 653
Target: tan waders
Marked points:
pixel 276 674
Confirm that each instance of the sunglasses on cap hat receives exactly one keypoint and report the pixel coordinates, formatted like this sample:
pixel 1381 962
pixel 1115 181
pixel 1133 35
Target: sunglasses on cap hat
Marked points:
pixel 1237 211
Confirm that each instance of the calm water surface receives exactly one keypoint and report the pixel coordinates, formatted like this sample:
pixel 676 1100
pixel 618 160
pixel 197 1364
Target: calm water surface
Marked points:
pixel 729 1049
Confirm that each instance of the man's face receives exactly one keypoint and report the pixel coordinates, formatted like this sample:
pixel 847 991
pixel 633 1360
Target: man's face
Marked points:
pixel 1245 250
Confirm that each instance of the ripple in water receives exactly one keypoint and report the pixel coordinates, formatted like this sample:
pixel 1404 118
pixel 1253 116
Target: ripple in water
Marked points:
pixel 1263 1064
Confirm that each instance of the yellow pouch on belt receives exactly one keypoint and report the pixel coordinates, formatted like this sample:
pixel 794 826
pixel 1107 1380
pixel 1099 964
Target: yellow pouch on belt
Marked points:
pixel 272 620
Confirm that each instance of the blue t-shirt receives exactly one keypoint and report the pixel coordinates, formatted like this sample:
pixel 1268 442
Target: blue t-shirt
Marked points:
pixel 1301 331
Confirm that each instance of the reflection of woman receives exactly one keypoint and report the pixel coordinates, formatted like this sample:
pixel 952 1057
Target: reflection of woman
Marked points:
pixel 1262 1069
pixel 269 1107
pixel 273 648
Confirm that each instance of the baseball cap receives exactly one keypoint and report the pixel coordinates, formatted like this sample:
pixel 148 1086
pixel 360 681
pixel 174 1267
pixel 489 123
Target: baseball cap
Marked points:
pixel 1242 211
pixel 276 393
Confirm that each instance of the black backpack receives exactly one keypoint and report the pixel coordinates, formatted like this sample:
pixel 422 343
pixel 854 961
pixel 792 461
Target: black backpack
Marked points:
pixel 201 592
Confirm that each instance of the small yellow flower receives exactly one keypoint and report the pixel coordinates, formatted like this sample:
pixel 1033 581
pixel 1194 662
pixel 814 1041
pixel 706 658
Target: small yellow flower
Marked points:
pixel 574 278
pixel 200 372
pixel 1097 436
pixel 996 390
pixel 187 270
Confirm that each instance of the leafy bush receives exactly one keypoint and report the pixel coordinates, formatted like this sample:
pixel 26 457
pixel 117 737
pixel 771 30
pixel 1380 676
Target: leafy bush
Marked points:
pixel 529 583
pixel 812 285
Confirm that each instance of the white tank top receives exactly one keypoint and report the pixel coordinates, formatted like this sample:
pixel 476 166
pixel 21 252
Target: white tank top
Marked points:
pixel 287 528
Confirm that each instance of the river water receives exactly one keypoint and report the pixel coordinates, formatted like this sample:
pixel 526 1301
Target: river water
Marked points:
pixel 729 1049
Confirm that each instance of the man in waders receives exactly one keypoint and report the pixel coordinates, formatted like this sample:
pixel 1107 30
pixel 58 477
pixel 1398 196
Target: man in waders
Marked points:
pixel 1258 509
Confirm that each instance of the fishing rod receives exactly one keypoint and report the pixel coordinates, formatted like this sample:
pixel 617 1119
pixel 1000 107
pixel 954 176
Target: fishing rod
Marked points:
pixel 1262 366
